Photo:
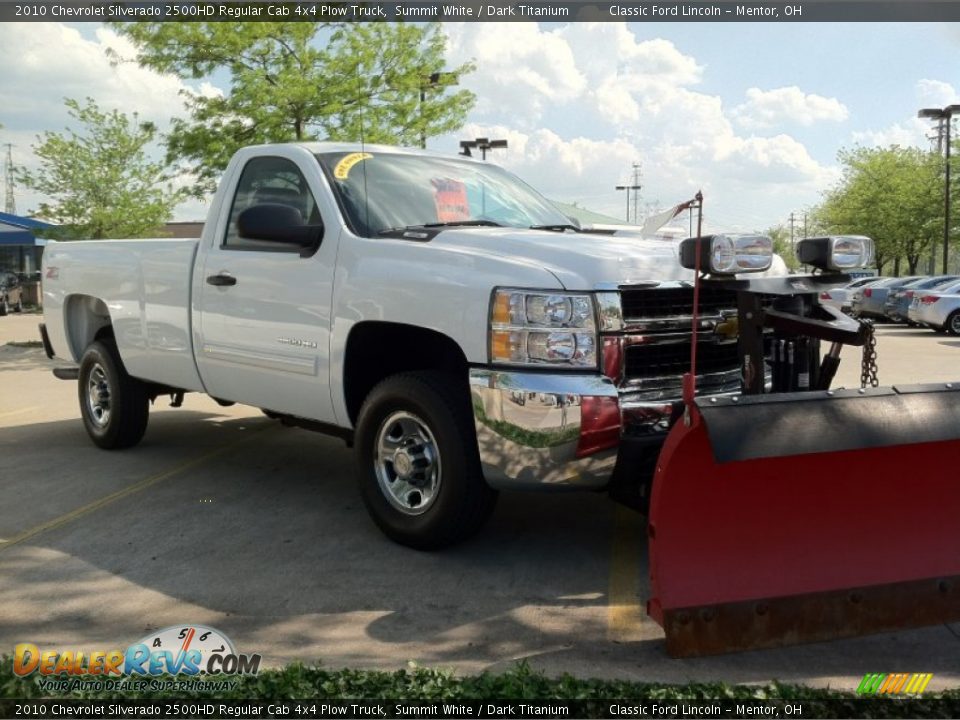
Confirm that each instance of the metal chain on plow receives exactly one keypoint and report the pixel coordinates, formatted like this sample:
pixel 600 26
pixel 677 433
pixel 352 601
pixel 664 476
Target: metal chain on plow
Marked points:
pixel 868 367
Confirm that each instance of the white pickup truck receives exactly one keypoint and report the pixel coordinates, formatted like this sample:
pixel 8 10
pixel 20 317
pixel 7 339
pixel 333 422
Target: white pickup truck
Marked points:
pixel 437 313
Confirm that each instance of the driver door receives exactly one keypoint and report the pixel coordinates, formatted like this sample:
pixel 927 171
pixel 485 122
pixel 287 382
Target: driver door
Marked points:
pixel 264 319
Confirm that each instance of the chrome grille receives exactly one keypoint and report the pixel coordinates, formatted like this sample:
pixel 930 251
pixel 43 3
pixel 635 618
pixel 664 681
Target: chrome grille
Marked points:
pixel 662 359
pixel 656 342
pixel 674 302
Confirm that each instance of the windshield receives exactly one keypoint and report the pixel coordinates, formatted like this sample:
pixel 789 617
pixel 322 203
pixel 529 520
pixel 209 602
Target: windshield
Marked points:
pixel 381 192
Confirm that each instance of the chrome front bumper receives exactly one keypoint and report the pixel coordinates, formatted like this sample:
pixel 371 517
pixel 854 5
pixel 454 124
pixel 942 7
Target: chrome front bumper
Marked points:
pixel 530 427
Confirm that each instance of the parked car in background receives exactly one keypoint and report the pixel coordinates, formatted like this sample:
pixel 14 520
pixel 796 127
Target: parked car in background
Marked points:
pixel 869 300
pixel 938 309
pixel 841 297
pixel 11 293
pixel 898 301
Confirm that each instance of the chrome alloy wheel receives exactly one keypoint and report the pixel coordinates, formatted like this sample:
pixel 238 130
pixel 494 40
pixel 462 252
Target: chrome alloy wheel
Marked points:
pixel 98 396
pixel 407 463
pixel 955 324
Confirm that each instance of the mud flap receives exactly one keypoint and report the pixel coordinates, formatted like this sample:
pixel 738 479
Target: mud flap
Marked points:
pixel 792 518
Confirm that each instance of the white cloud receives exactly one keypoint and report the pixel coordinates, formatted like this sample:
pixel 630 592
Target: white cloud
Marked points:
pixel 619 99
pixel 54 61
pixel 786 106
pixel 936 93
pixel 48 62
pixel 578 103
pixel 737 178
pixel 521 67
pixel 913 131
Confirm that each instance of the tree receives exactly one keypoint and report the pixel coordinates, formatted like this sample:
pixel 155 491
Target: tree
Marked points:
pixel 782 245
pixel 893 195
pixel 101 182
pixel 293 81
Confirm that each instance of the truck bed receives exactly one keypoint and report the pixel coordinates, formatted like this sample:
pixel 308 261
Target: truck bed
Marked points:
pixel 145 287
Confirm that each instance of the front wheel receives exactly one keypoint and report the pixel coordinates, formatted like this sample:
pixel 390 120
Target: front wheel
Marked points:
pixel 115 407
pixel 417 461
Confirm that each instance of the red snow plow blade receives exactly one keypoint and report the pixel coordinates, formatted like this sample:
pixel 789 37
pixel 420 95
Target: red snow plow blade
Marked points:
pixel 800 517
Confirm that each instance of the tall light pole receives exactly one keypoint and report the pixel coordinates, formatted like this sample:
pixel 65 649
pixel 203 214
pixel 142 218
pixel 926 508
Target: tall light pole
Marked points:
pixel 428 82
pixel 635 186
pixel 627 188
pixel 945 117
pixel 481 144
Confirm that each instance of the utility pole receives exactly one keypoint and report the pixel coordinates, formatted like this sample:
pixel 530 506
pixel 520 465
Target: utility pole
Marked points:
pixel 805 233
pixel 636 192
pixel 793 244
pixel 9 204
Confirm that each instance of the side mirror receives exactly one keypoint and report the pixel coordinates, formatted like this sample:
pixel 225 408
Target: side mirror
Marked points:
pixel 277 223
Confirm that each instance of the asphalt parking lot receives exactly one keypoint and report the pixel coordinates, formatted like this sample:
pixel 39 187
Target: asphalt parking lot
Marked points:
pixel 224 518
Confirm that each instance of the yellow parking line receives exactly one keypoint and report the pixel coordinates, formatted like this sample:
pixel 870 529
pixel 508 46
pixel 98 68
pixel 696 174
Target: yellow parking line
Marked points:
pixel 625 611
pixel 8 413
pixel 113 497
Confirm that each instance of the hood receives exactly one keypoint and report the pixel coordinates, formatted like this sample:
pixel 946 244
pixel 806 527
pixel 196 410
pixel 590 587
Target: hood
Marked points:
pixel 580 261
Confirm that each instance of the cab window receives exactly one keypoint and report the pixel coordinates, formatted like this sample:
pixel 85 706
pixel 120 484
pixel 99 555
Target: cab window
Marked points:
pixel 273 180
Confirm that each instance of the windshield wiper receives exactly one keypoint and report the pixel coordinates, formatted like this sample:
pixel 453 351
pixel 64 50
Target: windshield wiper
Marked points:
pixel 556 227
pixel 452 223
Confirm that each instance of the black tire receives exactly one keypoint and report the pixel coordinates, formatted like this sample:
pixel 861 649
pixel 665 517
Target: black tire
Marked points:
pixel 124 406
pixel 4 308
pixel 458 501
pixel 18 308
pixel 952 325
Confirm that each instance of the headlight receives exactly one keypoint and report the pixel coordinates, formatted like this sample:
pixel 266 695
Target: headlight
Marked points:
pixel 840 252
pixel 728 254
pixel 542 328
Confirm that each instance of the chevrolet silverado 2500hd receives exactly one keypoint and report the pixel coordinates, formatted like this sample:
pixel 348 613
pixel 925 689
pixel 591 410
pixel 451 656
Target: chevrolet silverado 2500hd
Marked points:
pixel 437 313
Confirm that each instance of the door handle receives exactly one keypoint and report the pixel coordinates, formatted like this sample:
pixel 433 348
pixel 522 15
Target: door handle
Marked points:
pixel 222 279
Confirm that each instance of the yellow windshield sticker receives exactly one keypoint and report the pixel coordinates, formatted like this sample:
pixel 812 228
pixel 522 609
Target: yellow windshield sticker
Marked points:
pixel 343 168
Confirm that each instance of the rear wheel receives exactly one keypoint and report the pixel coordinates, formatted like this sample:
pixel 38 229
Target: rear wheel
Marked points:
pixel 417 461
pixel 953 323
pixel 115 407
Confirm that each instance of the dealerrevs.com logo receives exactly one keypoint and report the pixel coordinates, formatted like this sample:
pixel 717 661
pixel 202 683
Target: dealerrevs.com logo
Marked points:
pixel 191 650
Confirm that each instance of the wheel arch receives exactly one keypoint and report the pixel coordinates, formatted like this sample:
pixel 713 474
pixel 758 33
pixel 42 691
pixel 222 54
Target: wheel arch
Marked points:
pixel 378 349
pixel 86 318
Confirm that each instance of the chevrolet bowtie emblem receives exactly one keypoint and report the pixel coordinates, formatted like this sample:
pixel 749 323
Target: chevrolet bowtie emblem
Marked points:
pixel 728 328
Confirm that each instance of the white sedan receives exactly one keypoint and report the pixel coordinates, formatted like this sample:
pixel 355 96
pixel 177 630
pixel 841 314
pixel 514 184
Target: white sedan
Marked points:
pixel 938 309
pixel 842 297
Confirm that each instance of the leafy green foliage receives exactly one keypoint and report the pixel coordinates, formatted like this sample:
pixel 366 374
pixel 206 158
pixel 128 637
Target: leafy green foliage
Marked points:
pixel 894 195
pixel 298 681
pixel 293 81
pixel 782 245
pixel 101 181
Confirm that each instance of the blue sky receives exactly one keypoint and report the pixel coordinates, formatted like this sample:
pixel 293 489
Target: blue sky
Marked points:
pixel 752 113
